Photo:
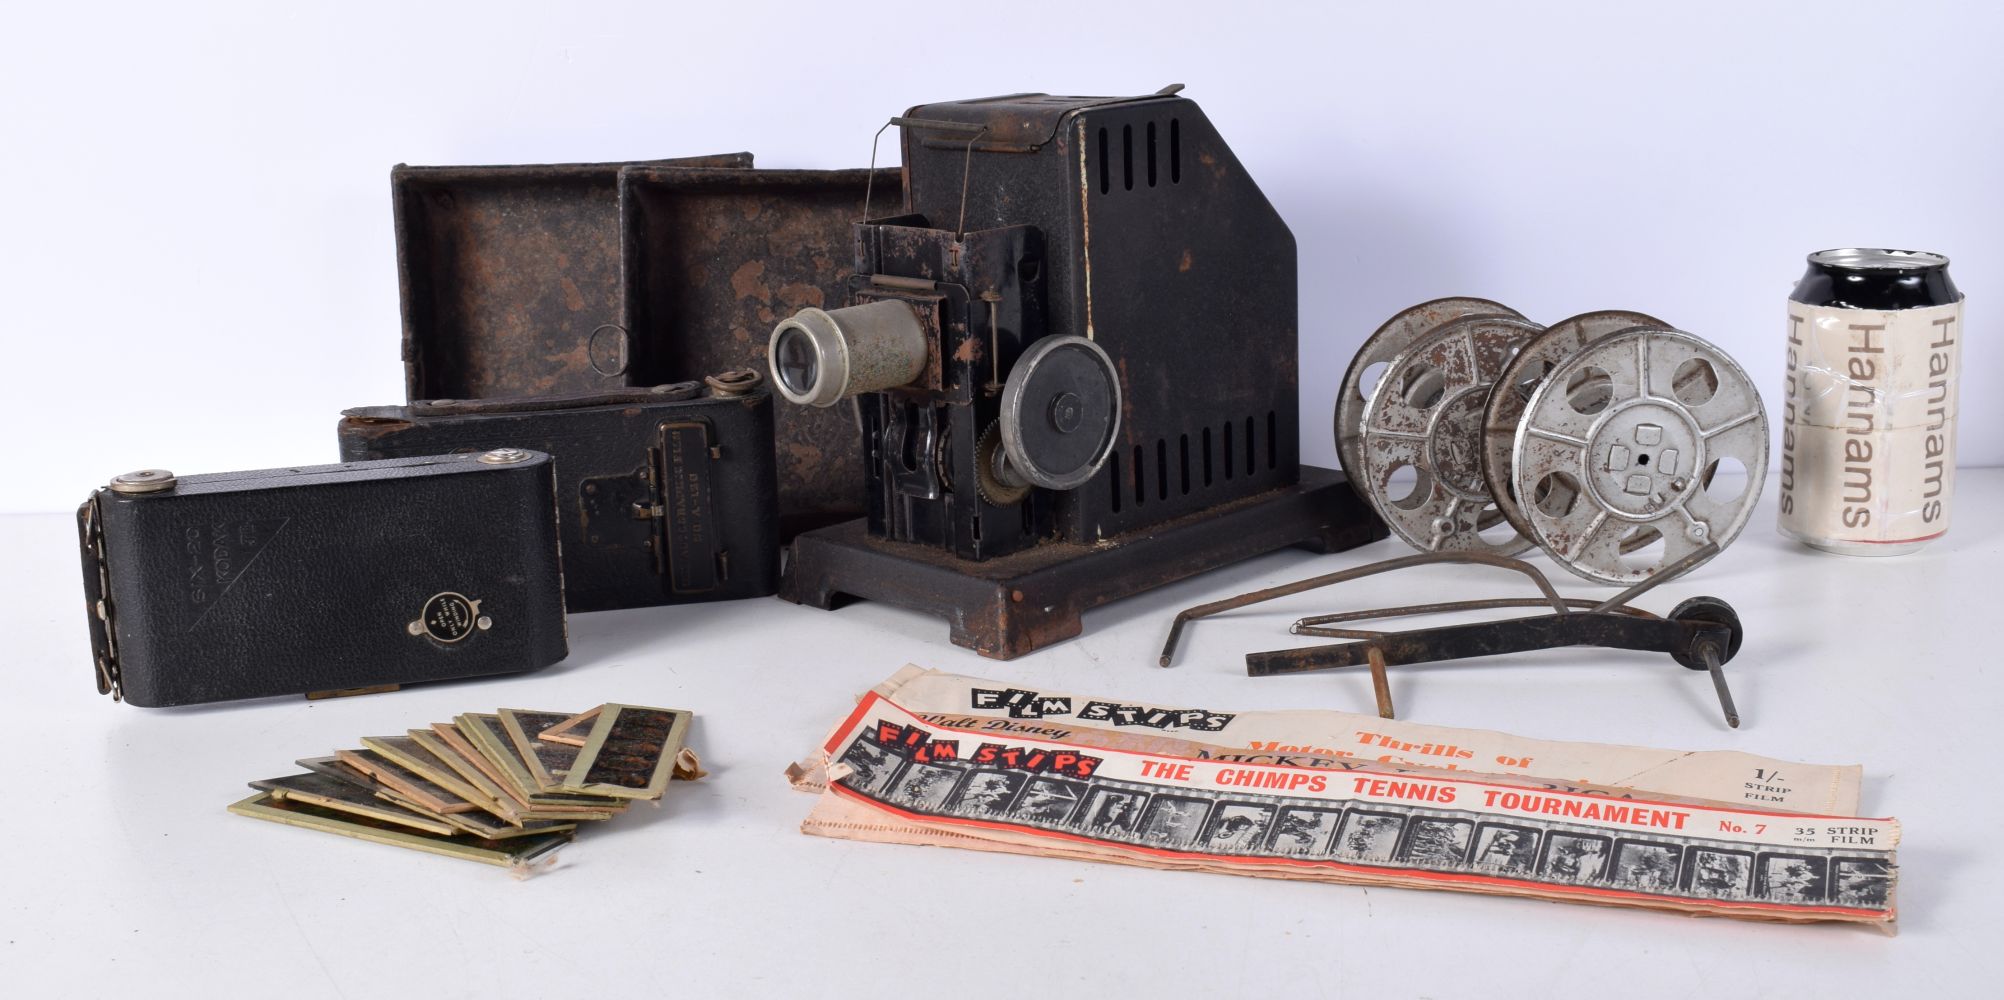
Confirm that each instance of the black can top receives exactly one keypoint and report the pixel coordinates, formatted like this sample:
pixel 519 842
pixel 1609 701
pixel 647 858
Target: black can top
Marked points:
pixel 1852 278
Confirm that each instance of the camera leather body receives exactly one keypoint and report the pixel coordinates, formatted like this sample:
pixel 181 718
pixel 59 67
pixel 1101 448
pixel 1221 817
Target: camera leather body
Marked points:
pixel 326 578
pixel 665 494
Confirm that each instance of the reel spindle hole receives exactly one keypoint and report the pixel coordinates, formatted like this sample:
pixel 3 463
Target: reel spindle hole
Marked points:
pixel 1408 486
pixel 1424 386
pixel 1374 373
pixel 1529 384
pixel 1725 479
pixel 1589 390
pixel 1492 527
pixel 1557 494
pixel 1695 382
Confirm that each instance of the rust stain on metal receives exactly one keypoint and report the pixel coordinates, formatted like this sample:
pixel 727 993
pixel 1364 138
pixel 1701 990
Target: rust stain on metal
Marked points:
pixel 1085 241
pixel 1212 164
pixel 370 428
pixel 801 295
pixel 714 259
pixel 1185 263
pixel 804 453
pixel 745 281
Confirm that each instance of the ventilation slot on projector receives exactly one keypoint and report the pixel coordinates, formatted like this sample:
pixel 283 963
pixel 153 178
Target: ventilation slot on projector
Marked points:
pixel 1160 156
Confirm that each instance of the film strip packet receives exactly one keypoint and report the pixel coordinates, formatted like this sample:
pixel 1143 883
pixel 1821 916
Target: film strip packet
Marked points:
pixel 484 787
pixel 1327 738
pixel 894 777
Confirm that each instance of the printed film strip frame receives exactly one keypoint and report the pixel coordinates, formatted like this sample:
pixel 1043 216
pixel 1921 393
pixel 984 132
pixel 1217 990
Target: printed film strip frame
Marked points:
pixel 1408 837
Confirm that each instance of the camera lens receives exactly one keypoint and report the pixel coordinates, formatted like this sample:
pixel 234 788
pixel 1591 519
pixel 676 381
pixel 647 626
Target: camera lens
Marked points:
pixel 795 361
pixel 821 357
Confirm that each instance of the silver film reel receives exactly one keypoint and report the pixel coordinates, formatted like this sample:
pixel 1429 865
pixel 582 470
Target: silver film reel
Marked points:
pixel 1520 378
pixel 1625 436
pixel 1383 347
pixel 1421 437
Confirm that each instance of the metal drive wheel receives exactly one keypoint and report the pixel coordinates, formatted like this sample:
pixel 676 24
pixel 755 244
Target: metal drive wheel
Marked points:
pixel 1520 378
pixel 1625 436
pixel 1427 417
pixel 1397 334
pixel 994 479
pixel 1060 413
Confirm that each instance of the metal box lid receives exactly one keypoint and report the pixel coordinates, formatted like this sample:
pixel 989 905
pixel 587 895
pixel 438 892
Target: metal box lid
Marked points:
pixel 558 279
pixel 510 277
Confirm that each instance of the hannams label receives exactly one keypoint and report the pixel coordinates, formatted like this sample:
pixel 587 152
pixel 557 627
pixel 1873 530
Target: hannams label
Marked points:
pixel 1868 423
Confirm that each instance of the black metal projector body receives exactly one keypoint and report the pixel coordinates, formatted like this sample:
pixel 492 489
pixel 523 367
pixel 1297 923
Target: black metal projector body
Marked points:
pixel 1094 389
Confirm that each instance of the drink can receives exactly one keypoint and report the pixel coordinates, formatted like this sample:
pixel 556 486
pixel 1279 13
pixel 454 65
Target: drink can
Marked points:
pixel 1869 401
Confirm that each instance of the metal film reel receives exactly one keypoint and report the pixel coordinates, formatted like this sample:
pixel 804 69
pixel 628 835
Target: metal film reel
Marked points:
pixel 1383 347
pixel 1520 378
pixel 1427 416
pixel 1623 437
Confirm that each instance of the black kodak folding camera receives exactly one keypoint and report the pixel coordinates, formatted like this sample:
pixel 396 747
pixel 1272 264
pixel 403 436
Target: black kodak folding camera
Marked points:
pixel 324 578
pixel 665 494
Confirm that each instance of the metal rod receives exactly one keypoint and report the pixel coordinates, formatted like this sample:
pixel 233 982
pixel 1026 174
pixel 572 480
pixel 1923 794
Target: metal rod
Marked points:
pixel 1357 573
pixel 1710 653
pixel 1381 686
pixel 966 173
pixel 902 121
pixel 938 124
pixel 1489 638
pixel 1664 575
pixel 1313 625
pixel 870 179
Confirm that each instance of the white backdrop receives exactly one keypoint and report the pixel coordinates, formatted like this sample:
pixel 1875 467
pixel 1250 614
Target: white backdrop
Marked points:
pixel 197 264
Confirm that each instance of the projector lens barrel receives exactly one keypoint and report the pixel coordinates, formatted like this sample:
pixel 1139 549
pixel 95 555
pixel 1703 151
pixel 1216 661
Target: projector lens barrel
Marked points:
pixel 821 357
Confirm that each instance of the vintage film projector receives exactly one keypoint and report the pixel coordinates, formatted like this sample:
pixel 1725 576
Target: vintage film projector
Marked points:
pixel 1593 439
pixel 1073 354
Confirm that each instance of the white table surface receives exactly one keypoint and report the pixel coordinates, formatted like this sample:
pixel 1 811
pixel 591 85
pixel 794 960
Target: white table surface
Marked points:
pixel 127 878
